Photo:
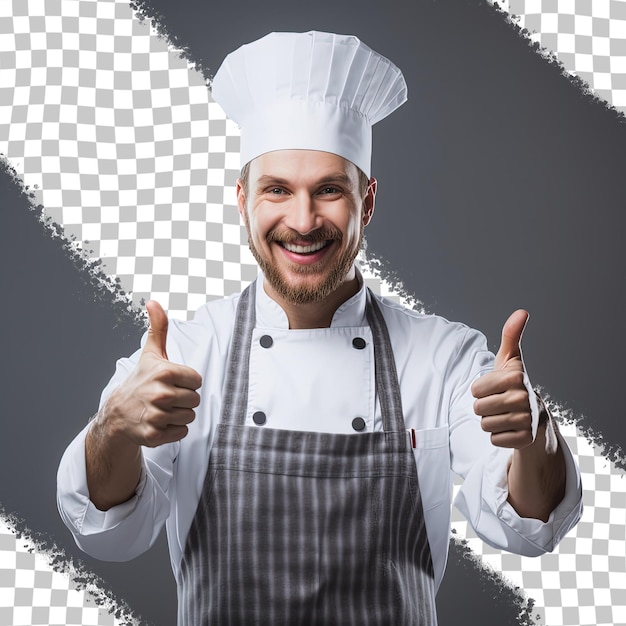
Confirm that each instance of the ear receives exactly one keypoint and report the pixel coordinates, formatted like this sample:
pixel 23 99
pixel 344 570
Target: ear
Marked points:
pixel 369 201
pixel 241 199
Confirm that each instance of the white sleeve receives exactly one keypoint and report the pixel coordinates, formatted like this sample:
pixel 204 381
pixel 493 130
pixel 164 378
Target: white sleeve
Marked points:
pixel 483 495
pixel 124 531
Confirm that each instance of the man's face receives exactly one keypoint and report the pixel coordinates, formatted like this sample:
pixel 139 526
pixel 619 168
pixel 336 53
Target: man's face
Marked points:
pixel 305 220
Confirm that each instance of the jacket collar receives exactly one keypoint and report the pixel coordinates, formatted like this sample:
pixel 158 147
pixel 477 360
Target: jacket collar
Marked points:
pixel 269 314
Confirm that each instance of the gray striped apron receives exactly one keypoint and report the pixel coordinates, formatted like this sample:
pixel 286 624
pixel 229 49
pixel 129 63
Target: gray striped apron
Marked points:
pixel 298 527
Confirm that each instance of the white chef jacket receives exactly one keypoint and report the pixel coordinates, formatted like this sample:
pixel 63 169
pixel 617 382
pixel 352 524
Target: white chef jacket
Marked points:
pixel 314 379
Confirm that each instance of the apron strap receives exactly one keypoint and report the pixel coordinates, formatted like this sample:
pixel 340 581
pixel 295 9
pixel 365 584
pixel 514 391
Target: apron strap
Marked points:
pixel 387 386
pixel 237 375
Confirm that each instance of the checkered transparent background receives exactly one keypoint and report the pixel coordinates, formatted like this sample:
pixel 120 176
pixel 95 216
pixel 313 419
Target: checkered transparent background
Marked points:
pixel 31 592
pixel 588 38
pixel 131 157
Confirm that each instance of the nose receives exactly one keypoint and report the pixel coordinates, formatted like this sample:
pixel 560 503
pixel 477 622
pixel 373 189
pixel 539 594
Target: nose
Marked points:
pixel 303 216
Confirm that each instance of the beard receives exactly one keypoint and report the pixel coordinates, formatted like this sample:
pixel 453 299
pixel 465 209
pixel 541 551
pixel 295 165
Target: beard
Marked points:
pixel 306 291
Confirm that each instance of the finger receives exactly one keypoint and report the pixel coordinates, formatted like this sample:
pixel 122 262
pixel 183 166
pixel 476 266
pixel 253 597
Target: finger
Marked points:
pixel 157 332
pixel 507 422
pixel 166 396
pixel 510 345
pixel 176 433
pixel 178 375
pixel 157 419
pixel 511 401
pixel 498 382
pixel 160 436
pixel 179 417
pixel 515 401
pixel 512 439
pixel 171 417
pixel 186 399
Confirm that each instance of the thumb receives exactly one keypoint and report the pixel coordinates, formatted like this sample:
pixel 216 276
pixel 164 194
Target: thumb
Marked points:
pixel 157 332
pixel 510 345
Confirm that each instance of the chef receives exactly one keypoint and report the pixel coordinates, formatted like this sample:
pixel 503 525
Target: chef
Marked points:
pixel 298 440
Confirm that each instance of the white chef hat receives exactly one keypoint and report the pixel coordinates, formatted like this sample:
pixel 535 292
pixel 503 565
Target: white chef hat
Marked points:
pixel 314 91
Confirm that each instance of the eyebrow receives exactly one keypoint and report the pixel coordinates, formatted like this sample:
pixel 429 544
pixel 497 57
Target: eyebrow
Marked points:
pixel 340 178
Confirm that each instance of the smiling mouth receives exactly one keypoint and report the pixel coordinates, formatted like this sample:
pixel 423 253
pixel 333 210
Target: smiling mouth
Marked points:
pixel 310 249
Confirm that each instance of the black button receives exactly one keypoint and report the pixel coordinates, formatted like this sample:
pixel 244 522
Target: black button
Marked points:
pixel 359 343
pixel 358 423
pixel 259 418
pixel 266 341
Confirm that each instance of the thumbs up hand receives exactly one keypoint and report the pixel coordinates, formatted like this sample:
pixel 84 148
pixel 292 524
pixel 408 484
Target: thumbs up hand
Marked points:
pixel 501 396
pixel 155 403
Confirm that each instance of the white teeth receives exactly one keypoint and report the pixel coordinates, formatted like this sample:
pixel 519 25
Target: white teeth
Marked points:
pixel 304 249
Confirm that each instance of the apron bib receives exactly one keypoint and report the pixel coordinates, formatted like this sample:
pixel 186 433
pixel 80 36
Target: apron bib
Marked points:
pixel 297 527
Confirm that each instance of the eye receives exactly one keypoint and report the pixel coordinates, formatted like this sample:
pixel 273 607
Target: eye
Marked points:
pixel 276 191
pixel 329 190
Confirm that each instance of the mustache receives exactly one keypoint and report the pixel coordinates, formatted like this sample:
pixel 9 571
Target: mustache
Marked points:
pixel 287 235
